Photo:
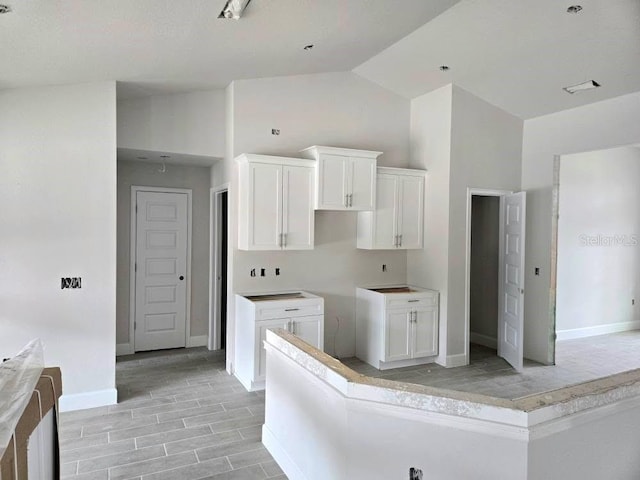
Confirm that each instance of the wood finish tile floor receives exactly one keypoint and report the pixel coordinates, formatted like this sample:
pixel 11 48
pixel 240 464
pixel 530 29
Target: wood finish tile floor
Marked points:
pixel 180 417
pixel 577 361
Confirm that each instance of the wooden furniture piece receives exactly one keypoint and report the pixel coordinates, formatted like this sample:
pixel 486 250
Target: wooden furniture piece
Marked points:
pixel 397 221
pixel 345 178
pixel 300 313
pixel 276 203
pixel 396 326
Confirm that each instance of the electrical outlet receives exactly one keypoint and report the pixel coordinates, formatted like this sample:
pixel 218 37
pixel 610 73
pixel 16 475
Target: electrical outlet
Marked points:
pixel 70 282
pixel 263 272
pixel 633 301
pixel 537 271
pixel 277 271
pixel 384 267
pixel 275 131
pixel 253 272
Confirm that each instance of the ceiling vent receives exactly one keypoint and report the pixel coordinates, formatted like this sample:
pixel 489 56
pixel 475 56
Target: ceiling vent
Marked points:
pixel 234 9
pixel 582 86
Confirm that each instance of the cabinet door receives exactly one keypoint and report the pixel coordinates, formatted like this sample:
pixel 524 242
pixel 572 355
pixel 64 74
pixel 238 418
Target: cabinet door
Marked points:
pixel 297 208
pixel 385 214
pixel 397 335
pixel 425 332
pixel 261 335
pixel 310 329
pixel 265 206
pixel 332 182
pixel 411 212
pixel 362 183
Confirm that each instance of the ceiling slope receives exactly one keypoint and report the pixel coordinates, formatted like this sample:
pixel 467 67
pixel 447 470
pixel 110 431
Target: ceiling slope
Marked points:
pixel 519 55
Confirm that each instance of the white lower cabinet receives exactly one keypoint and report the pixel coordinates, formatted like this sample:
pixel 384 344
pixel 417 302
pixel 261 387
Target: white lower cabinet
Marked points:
pixel 396 326
pixel 301 313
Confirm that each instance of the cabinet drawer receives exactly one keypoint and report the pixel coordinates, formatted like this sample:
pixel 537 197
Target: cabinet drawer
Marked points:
pixel 289 311
pixel 412 301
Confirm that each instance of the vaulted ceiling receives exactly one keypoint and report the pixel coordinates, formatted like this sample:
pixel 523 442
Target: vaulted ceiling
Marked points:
pixel 515 54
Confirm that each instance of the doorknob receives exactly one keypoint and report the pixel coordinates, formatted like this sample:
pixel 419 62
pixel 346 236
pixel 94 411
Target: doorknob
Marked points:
pixel 181 277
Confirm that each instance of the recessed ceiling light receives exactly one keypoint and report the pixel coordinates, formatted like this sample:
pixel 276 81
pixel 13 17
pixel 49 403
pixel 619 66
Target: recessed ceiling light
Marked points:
pixel 444 68
pixel 574 9
pixel 5 9
pixel 581 86
pixel 308 47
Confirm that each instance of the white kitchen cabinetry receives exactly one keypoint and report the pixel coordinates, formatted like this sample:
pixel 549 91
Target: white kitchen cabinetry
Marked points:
pixel 397 221
pixel 345 178
pixel 301 313
pixel 396 326
pixel 276 203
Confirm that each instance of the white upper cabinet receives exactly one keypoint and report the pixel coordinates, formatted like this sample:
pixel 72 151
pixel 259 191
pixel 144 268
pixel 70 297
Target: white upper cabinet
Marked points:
pixel 276 203
pixel 397 221
pixel 345 178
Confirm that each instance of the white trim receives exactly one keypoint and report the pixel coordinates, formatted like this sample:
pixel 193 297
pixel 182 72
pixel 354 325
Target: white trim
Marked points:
pixel 597 330
pixel 484 340
pixel 124 349
pixel 459 360
pixel 467 274
pixel 280 455
pixel 197 341
pixel 132 257
pixel 96 398
pixel 214 340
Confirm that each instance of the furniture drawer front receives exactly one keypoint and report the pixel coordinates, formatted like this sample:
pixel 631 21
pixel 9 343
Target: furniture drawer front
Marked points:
pixel 411 301
pixel 289 311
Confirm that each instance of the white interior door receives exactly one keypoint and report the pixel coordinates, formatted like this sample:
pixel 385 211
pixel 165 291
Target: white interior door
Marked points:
pixel 511 287
pixel 161 270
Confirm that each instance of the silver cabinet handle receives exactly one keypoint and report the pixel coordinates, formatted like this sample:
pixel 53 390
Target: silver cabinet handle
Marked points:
pixel 395 241
pixel 291 309
pixel 351 199
pixel 285 239
pixel 280 240
pixel 413 301
pixel 346 200
pixel 400 240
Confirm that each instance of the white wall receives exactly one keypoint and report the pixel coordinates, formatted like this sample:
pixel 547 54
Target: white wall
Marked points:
pixel 176 176
pixel 601 125
pixel 58 217
pixel 430 132
pixel 598 242
pixel 463 142
pixel 189 123
pixel 336 109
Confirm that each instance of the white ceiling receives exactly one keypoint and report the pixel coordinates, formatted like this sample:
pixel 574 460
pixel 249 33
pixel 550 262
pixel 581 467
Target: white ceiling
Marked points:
pixel 519 54
pixel 515 54
pixel 160 46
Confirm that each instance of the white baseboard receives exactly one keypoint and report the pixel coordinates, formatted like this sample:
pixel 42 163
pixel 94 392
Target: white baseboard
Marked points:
pixel 597 330
pixel 459 360
pixel 96 398
pixel 124 349
pixel 484 340
pixel 198 341
pixel 280 455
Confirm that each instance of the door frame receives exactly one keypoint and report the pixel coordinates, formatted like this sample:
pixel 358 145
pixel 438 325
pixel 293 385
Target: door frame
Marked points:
pixel 132 259
pixel 467 275
pixel 215 239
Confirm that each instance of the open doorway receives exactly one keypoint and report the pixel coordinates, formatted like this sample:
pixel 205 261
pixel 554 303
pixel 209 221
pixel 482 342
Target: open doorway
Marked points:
pixel 219 250
pixel 494 280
